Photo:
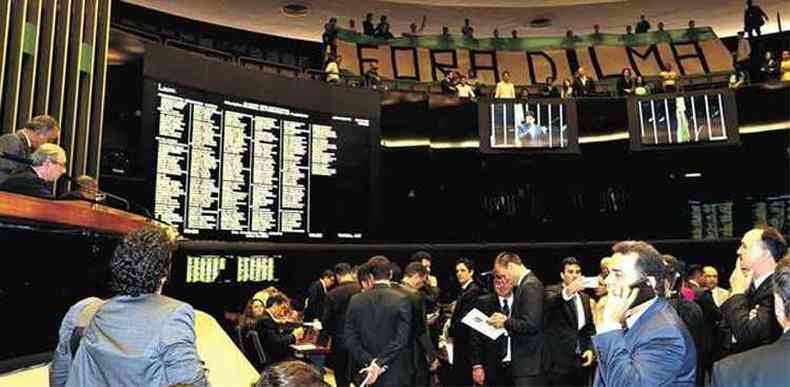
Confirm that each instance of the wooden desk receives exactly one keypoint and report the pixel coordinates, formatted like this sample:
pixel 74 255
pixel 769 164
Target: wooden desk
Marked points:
pixel 76 213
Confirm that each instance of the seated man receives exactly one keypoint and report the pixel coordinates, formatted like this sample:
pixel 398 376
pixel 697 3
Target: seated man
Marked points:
pixel 136 338
pixel 49 163
pixel 275 341
pixel 87 188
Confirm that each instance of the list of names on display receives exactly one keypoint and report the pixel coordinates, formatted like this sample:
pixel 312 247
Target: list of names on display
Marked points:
pixel 240 167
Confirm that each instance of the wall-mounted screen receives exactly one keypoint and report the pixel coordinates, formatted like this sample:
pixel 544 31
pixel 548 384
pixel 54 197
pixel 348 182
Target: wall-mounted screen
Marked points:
pixel 541 126
pixel 698 118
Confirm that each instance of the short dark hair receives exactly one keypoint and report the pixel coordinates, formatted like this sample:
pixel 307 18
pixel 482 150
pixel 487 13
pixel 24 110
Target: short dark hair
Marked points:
pixel 276 299
pixel 363 272
pixel 140 261
pixel 506 257
pixel 293 373
pixel 466 262
pixel 397 273
pixel 569 261
pixel 328 274
pixel 420 255
pixel 342 269
pixel 774 241
pixel 380 267
pixel 415 267
pixel 694 270
pixel 42 123
pixel 675 273
pixel 782 283
pixel 649 262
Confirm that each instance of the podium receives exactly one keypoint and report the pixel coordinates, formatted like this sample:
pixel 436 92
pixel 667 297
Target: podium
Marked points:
pixel 15 208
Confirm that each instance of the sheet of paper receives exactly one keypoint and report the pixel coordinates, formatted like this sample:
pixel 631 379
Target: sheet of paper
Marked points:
pixel 303 347
pixel 449 348
pixel 478 321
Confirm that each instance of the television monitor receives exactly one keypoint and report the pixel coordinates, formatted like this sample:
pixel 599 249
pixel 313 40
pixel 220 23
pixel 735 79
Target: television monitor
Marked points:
pixel 528 126
pixel 682 120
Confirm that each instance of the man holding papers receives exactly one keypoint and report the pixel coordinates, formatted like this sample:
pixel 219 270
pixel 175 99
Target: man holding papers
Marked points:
pixel 492 359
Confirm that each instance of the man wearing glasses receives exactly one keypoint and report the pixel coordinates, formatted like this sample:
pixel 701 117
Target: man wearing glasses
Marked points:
pixel 49 163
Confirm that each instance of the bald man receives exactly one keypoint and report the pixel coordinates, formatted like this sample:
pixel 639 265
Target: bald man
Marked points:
pixel 711 280
pixel 749 312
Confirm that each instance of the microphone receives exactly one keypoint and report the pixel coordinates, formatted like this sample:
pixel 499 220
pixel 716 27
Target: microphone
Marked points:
pixel 121 199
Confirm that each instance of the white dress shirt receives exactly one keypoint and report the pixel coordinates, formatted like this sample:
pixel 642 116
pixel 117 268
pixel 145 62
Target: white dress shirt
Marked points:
pixel 577 301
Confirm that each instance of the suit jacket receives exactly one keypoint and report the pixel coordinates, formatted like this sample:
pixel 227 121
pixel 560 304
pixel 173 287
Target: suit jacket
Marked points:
pixel 582 89
pixel 562 333
pixel 525 327
pixel 378 325
pixel 316 296
pixel 14 144
pixel 750 332
pixel 762 366
pixel 691 314
pixel 486 352
pixel 334 318
pixel 462 334
pixel 423 352
pixel 275 341
pixel 147 340
pixel 656 351
pixel 27 182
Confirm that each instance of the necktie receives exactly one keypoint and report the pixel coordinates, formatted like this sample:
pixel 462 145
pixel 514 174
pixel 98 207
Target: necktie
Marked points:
pixel 504 339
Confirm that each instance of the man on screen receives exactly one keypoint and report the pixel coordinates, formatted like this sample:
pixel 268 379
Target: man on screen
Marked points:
pixel 529 133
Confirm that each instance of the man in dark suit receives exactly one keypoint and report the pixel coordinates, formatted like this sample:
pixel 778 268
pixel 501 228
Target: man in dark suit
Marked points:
pixel 49 163
pixel 424 354
pixel 641 341
pixel 38 131
pixel 766 365
pixel 460 332
pixel 276 342
pixel 748 313
pixel 492 360
pixel 378 325
pixel 316 295
pixel 334 321
pixel 568 326
pixel 525 323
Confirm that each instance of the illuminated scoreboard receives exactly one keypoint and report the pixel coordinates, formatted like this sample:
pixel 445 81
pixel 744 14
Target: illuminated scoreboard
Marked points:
pixel 212 269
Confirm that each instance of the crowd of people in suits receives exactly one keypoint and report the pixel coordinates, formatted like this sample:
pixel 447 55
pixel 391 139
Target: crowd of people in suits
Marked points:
pixel 644 320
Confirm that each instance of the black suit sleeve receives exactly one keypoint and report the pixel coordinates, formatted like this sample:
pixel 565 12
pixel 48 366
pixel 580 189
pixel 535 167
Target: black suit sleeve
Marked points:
pixel 402 331
pixel 588 330
pixel 750 332
pixel 351 334
pixel 476 342
pixel 423 337
pixel 274 342
pixel 328 321
pixel 553 299
pixel 529 319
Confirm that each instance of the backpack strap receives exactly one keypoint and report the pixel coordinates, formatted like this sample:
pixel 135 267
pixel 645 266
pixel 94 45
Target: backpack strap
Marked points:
pixel 84 319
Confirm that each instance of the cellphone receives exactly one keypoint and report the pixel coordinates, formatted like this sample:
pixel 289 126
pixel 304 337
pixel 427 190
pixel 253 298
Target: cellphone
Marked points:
pixel 646 291
pixel 590 282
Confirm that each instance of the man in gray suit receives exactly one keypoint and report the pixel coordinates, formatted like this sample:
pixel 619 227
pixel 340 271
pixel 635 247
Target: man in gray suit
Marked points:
pixel 136 338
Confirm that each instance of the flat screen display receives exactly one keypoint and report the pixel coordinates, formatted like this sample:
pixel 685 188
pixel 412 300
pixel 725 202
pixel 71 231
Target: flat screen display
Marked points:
pixel 668 121
pixel 541 126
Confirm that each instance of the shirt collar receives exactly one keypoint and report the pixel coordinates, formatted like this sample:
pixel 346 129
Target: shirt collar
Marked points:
pixel 27 139
pixel 759 281
pixel 632 319
pixel 466 285
pixel 508 298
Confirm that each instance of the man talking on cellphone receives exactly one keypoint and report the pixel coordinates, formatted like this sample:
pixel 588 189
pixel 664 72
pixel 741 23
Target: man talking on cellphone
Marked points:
pixel 640 339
